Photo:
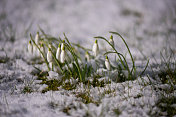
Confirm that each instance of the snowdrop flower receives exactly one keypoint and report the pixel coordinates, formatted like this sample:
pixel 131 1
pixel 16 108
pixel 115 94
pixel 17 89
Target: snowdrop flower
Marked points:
pixel 50 46
pixel 42 49
pixel 36 51
pixel 111 41
pixel 51 65
pixel 58 52
pixel 49 55
pixel 107 63
pixel 30 47
pixel 87 56
pixel 62 55
pixel 37 37
pixel 95 48
pixel 62 45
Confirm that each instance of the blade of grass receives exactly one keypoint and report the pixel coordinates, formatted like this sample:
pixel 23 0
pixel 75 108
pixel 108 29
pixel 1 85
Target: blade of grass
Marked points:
pixel 70 48
pixel 79 46
pixel 144 68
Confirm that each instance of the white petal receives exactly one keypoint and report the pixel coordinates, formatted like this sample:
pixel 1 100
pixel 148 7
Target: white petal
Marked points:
pixel 58 53
pixel 37 39
pixel 49 56
pixel 62 56
pixel 51 65
pixel 30 48
pixel 43 51
pixel 87 57
pixel 95 49
pixel 36 51
pixel 107 64
pixel 111 42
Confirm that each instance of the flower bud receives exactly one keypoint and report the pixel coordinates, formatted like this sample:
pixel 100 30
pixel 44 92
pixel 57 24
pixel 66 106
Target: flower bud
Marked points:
pixel 51 65
pixel 35 49
pixel 30 47
pixel 107 63
pixel 58 52
pixel 37 38
pixel 95 48
pixel 62 55
pixel 111 41
pixel 49 56
pixel 62 45
pixel 87 56
pixel 42 49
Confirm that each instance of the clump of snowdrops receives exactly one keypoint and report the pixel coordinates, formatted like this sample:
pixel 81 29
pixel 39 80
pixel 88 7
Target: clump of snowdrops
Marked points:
pixel 66 58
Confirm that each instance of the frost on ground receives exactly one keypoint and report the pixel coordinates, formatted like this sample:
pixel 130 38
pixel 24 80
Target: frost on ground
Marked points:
pixel 149 28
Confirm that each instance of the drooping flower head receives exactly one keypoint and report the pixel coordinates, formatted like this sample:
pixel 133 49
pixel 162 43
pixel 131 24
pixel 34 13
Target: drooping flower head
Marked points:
pixel 107 63
pixel 35 49
pixel 62 45
pixel 49 55
pixel 37 38
pixel 51 65
pixel 58 52
pixel 42 48
pixel 111 41
pixel 62 55
pixel 95 48
pixel 30 47
pixel 87 56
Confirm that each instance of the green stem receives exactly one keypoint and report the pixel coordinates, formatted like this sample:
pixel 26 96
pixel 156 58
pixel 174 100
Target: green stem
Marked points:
pixel 70 48
pixel 144 68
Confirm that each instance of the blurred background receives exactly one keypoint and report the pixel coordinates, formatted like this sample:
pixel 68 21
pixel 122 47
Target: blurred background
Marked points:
pixel 148 26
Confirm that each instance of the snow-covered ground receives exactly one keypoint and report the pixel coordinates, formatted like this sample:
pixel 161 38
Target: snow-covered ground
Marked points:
pixel 149 27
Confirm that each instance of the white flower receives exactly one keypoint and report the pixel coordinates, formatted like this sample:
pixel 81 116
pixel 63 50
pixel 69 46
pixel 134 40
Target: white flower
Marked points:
pixel 111 41
pixel 35 49
pixel 58 52
pixel 37 38
pixel 30 47
pixel 51 65
pixel 42 50
pixel 107 63
pixel 87 56
pixel 62 55
pixel 95 48
pixel 49 56
pixel 62 45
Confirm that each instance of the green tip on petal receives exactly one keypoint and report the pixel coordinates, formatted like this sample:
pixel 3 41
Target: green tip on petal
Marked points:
pixel 30 42
pixel 96 41
pixel 63 48
pixel 63 40
pixel 111 37
pixel 87 52
pixel 49 49
pixel 38 33
pixel 106 57
pixel 42 45
pixel 59 45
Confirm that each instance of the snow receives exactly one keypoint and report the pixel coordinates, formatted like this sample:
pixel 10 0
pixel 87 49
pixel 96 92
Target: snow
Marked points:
pixel 146 25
